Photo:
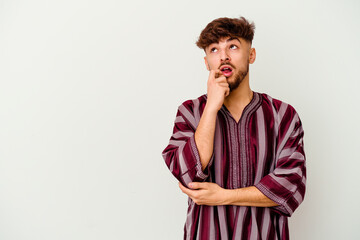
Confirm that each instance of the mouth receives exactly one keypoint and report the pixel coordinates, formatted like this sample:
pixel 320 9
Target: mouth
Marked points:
pixel 226 70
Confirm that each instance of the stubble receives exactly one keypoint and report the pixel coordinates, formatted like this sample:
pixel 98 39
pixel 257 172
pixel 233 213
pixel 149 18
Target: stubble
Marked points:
pixel 238 78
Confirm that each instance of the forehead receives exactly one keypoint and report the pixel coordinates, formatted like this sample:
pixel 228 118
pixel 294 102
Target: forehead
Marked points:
pixel 225 41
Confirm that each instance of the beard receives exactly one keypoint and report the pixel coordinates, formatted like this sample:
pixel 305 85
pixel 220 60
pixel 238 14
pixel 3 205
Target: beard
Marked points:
pixel 238 78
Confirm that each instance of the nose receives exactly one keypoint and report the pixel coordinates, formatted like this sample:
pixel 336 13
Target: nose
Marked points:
pixel 224 56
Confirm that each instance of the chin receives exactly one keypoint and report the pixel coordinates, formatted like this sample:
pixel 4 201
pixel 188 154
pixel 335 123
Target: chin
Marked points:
pixel 231 78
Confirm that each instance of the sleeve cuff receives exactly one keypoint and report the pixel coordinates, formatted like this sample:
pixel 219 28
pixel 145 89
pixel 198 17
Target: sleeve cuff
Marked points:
pixel 202 174
pixel 283 208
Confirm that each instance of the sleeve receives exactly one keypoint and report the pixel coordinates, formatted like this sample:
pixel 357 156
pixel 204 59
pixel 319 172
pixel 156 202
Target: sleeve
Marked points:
pixel 181 154
pixel 286 184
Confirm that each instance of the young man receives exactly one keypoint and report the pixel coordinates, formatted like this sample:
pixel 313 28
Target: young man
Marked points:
pixel 237 153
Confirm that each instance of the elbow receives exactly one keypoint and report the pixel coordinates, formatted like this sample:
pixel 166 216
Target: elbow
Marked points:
pixel 288 207
pixel 287 201
pixel 185 165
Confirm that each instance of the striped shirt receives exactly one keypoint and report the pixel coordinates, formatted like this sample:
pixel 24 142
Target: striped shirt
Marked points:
pixel 263 149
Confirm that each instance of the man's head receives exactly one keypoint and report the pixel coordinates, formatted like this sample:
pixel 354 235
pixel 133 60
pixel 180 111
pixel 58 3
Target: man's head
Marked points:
pixel 227 45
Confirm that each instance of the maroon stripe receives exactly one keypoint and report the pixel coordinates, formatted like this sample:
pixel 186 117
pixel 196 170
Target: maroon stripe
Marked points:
pixel 234 166
pixel 205 223
pixel 247 221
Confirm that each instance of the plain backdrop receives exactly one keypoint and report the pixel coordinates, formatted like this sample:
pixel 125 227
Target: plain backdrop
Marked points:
pixel 88 98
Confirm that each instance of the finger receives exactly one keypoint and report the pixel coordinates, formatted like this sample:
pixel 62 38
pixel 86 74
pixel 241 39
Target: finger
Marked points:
pixel 224 84
pixel 197 185
pixel 218 73
pixel 213 73
pixel 185 190
pixel 181 186
pixel 220 79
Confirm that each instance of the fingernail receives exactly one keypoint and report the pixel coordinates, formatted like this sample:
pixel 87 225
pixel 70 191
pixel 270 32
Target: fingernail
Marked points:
pixel 190 185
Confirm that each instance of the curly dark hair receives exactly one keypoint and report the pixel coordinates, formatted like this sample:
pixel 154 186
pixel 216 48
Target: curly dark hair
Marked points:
pixel 226 27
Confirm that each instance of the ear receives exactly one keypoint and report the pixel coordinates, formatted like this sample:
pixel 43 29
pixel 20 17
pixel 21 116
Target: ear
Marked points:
pixel 252 55
pixel 207 64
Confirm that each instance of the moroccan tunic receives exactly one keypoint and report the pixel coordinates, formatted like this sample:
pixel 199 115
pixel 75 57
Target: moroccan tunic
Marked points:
pixel 264 149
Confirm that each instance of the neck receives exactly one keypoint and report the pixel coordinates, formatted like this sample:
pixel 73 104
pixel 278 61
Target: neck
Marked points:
pixel 241 96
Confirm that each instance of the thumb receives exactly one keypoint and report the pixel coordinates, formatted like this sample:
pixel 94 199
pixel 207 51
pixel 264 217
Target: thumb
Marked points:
pixel 227 92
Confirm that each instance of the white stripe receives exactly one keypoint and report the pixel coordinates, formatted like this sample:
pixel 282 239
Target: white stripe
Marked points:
pixel 187 115
pixel 189 217
pixel 297 155
pixel 276 132
pixel 234 209
pixel 239 223
pixel 266 224
pixel 180 134
pixel 297 132
pixel 200 220
pixel 182 163
pixel 286 137
pixel 218 173
pixel 254 233
pixel 212 224
pixel 222 222
pixel 281 171
pixel 261 145
pixel 186 179
pixel 284 182
pixel 281 225
pixel 275 114
pixel 286 152
pixel 176 143
pixel 298 197
pixel 282 110
pixel 179 119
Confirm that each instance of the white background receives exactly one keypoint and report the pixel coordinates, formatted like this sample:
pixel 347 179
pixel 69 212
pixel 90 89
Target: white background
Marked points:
pixel 88 97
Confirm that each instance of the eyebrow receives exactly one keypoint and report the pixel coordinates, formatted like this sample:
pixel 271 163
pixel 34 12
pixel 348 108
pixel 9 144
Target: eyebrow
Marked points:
pixel 233 38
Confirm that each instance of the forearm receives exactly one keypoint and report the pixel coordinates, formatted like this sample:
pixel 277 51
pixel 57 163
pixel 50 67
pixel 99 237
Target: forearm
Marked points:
pixel 249 196
pixel 204 135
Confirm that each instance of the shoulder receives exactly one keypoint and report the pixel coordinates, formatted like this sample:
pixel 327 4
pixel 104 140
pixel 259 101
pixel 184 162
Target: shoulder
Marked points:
pixel 278 106
pixel 283 113
pixel 194 104
pixel 190 110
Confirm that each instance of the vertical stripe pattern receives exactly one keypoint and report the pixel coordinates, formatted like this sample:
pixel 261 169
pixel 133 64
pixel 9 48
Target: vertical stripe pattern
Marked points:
pixel 263 149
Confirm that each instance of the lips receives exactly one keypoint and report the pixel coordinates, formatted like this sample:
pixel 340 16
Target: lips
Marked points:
pixel 226 70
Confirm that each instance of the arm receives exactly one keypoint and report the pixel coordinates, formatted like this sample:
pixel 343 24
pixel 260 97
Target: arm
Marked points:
pixel 190 150
pixel 283 190
pixel 217 89
pixel 204 136
pixel 212 194
pixel 181 155
pixel 249 196
pixel 286 184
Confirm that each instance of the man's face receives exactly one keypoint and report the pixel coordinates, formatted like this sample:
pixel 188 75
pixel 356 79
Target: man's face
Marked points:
pixel 232 56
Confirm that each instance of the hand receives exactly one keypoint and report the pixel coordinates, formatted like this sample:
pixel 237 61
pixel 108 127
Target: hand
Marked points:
pixel 217 90
pixel 205 193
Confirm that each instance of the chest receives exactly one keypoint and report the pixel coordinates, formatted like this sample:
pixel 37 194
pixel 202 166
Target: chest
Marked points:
pixel 246 148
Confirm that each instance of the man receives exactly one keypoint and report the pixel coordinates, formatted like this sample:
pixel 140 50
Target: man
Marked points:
pixel 237 153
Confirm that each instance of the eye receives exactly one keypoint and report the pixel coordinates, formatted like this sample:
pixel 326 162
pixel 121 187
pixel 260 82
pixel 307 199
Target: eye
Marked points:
pixel 233 46
pixel 213 50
